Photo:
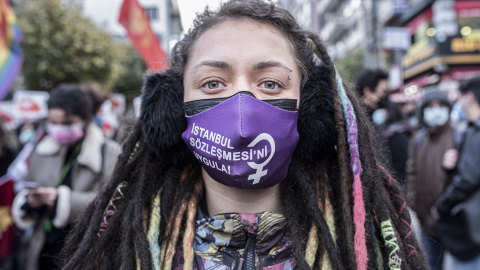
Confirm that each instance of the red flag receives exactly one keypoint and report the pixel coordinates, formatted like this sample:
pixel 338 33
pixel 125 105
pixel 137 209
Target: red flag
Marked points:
pixel 7 234
pixel 136 22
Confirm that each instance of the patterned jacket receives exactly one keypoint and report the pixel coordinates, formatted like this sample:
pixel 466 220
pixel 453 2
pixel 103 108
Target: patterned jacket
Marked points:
pixel 233 241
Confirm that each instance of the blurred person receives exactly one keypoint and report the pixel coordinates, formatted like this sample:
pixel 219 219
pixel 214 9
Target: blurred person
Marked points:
pixel 459 205
pixel 372 87
pixel 125 127
pixel 7 155
pixel 65 171
pixel 26 132
pixel 397 132
pixel 425 175
pixel 247 78
pixel 98 97
pixel 409 112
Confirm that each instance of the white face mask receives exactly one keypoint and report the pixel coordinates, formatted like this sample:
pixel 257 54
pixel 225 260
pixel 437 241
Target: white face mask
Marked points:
pixel 435 116
pixel 379 117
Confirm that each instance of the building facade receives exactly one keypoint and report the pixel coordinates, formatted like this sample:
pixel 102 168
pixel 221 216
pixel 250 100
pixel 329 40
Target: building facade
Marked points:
pixel 445 46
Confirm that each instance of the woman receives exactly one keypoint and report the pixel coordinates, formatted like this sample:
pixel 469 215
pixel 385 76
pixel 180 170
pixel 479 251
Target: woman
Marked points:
pixel 65 172
pixel 199 182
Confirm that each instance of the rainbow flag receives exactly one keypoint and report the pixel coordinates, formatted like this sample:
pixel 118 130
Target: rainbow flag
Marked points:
pixel 10 53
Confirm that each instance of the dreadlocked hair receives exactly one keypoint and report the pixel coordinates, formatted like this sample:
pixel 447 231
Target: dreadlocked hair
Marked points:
pixel 344 210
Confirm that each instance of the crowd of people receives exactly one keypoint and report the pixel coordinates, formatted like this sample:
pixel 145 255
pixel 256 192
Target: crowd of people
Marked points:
pixel 67 163
pixel 436 160
pixel 250 153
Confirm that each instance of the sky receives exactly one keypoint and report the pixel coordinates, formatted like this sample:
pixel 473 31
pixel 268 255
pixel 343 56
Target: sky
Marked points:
pixel 188 9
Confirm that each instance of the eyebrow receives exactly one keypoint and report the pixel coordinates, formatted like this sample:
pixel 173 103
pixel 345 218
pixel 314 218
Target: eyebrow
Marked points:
pixel 227 66
pixel 269 64
pixel 212 63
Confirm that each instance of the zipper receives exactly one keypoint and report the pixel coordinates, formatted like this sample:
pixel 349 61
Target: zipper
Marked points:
pixel 248 260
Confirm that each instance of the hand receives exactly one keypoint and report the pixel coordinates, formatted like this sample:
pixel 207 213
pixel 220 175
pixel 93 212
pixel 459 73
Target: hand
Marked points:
pixel 450 159
pixel 38 197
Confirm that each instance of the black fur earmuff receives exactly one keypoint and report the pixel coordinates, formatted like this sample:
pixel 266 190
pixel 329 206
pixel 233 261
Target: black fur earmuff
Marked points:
pixel 162 115
pixel 316 121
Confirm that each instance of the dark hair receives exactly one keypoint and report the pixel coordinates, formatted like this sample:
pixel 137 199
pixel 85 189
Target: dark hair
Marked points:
pixel 72 99
pixel 471 85
pixel 150 202
pixel 281 20
pixel 369 78
pixel 94 90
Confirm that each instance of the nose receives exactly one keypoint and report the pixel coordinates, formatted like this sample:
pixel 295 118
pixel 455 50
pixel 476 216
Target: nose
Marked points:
pixel 242 83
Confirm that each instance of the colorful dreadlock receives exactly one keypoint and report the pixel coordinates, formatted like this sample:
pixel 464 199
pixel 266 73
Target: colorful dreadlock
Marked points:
pixel 312 246
pixel 404 205
pixel 359 205
pixel 394 261
pixel 189 234
pixel 153 232
pixel 111 209
pixel 328 212
pixel 356 166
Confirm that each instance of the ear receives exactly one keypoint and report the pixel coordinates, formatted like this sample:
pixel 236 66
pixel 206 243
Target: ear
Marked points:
pixel 162 116
pixel 316 120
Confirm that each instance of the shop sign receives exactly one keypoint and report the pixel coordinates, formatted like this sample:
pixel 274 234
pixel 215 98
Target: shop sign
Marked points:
pixel 395 77
pixel 462 45
pixel 454 51
pixel 396 38
pixel 418 57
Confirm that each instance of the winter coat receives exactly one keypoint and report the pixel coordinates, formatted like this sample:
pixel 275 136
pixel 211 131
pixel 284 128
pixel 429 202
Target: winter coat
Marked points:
pixel 466 178
pixel 45 164
pixel 397 136
pixel 426 178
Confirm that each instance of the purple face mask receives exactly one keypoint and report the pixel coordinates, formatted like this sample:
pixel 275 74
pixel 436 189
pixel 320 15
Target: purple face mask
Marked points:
pixel 65 134
pixel 243 142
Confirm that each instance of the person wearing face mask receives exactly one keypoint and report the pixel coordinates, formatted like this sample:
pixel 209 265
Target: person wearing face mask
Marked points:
pixel 65 171
pixel 244 158
pixel 372 87
pixel 397 132
pixel 458 206
pixel 426 177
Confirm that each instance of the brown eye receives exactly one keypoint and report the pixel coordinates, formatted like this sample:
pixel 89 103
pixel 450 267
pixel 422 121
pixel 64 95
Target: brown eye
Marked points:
pixel 213 85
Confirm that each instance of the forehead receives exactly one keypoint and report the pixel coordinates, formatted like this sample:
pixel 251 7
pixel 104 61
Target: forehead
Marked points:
pixel 242 40
pixel 436 102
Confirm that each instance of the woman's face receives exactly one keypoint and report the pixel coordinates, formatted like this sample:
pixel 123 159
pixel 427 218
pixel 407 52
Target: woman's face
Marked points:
pixel 242 55
pixel 59 117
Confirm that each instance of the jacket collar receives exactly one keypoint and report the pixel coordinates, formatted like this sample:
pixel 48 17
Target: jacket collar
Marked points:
pixel 90 154
pixel 232 231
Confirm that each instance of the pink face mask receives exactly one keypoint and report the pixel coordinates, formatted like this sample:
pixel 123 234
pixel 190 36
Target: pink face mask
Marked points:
pixel 65 134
